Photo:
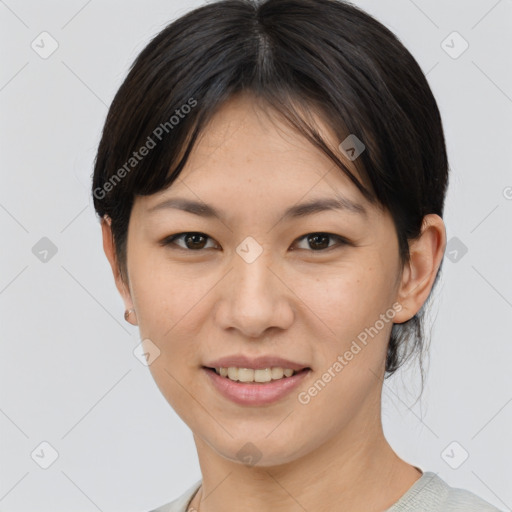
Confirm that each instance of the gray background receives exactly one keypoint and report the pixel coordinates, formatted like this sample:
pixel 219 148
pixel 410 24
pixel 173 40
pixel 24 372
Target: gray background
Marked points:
pixel 68 374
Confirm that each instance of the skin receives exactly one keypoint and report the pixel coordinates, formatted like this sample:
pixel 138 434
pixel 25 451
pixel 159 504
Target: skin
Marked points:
pixel 295 300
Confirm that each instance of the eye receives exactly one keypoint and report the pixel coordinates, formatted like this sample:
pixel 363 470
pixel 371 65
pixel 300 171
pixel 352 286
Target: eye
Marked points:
pixel 320 241
pixel 195 241
pixel 192 240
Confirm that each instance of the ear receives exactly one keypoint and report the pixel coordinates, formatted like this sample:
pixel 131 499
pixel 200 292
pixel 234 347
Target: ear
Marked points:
pixel 419 274
pixel 109 248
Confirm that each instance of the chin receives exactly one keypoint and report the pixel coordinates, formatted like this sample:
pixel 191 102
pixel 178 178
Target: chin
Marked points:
pixel 253 452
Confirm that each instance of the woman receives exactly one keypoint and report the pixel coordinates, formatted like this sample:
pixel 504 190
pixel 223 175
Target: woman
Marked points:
pixel 271 181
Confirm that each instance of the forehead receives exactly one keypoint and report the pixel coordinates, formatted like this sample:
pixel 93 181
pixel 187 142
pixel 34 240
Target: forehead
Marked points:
pixel 247 142
pixel 245 124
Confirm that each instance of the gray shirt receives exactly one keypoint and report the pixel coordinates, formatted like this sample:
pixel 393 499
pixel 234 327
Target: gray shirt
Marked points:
pixel 428 494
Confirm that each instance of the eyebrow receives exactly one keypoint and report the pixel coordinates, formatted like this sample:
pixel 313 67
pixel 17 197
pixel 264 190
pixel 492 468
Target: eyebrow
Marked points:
pixel 339 203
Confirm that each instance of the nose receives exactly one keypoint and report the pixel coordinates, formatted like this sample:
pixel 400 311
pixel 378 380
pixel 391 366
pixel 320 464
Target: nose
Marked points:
pixel 254 298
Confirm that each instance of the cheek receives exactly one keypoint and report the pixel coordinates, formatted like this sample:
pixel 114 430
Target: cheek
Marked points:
pixel 346 298
pixel 345 309
pixel 350 350
pixel 164 295
pixel 172 305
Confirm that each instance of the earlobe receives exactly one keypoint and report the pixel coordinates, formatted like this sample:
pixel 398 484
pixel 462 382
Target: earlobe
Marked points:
pixel 419 274
pixel 110 253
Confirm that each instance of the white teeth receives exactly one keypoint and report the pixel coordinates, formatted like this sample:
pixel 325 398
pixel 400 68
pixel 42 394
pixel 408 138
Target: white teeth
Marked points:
pixel 250 375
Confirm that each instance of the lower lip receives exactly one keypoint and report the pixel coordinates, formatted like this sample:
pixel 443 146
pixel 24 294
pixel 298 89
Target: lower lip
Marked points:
pixel 256 393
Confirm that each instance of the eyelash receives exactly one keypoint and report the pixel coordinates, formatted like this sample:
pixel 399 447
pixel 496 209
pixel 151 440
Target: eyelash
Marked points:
pixel 169 241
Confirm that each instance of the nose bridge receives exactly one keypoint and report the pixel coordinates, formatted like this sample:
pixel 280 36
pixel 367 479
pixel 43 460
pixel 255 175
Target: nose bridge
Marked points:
pixel 252 277
pixel 252 299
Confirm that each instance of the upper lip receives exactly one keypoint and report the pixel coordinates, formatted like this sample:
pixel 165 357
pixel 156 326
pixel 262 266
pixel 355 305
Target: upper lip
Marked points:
pixel 241 361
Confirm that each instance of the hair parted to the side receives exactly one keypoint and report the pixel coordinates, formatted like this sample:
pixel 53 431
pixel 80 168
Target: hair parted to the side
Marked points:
pixel 297 58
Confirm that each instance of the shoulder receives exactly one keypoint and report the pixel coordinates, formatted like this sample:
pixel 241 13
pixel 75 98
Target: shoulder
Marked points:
pixel 180 504
pixel 461 500
pixel 432 494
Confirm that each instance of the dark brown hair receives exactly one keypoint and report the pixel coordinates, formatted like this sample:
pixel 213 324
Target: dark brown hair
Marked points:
pixel 297 57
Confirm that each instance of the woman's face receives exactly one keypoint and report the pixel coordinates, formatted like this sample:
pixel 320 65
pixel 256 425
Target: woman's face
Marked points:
pixel 251 283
